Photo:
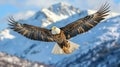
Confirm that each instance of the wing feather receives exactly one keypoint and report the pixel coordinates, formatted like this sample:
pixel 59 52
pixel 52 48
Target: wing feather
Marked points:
pixel 84 24
pixel 31 32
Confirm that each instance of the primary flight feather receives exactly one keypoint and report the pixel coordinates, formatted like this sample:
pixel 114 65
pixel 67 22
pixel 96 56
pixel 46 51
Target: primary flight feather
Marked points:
pixel 61 35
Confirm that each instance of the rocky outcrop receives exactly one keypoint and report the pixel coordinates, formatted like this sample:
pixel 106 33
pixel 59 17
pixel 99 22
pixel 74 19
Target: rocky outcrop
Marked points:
pixel 12 61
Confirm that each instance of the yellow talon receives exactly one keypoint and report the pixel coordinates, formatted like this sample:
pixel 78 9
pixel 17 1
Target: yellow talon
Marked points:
pixel 66 50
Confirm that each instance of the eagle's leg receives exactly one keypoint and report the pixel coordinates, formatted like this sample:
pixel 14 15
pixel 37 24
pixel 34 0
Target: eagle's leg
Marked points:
pixel 63 48
pixel 68 44
pixel 66 48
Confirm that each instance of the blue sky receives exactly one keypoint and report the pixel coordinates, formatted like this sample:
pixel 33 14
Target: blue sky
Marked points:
pixel 117 1
pixel 8 7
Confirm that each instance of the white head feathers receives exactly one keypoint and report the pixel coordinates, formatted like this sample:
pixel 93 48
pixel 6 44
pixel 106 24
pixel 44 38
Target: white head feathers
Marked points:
pixel 55 30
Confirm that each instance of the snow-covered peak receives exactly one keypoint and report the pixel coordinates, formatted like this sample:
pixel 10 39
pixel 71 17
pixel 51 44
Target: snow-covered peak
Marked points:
pixel 59 6
pixel 58 12
pixel 52 14
pixel 5 34
pixel 64 4
pixel 63 8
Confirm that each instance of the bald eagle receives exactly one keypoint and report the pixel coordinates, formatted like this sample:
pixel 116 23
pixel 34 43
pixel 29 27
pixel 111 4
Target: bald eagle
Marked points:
pixel 63 34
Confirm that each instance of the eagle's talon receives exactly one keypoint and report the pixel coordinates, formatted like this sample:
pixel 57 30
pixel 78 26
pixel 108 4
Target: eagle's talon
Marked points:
pixel 66 50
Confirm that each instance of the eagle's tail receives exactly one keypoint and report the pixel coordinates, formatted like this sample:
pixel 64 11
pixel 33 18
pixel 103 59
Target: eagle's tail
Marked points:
pixel 58 50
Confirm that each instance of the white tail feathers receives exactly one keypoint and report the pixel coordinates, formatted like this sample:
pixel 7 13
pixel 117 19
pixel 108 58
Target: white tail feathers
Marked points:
pixel 58 50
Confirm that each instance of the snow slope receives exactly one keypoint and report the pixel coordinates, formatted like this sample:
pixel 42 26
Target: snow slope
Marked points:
pixel 5 34
pixel 59 15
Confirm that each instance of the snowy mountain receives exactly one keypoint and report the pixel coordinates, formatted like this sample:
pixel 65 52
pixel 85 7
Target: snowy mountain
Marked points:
pixel 53 14
pixel 59 15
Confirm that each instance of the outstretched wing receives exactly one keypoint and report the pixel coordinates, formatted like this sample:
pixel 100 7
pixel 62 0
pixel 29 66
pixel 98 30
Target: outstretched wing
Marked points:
pixel 86 23
pixel 32 32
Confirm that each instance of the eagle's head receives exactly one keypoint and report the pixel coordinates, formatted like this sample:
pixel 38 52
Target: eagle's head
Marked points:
pixel 55 30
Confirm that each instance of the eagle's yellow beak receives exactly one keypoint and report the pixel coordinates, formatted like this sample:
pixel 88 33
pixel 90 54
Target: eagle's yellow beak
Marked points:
pixel 53 28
